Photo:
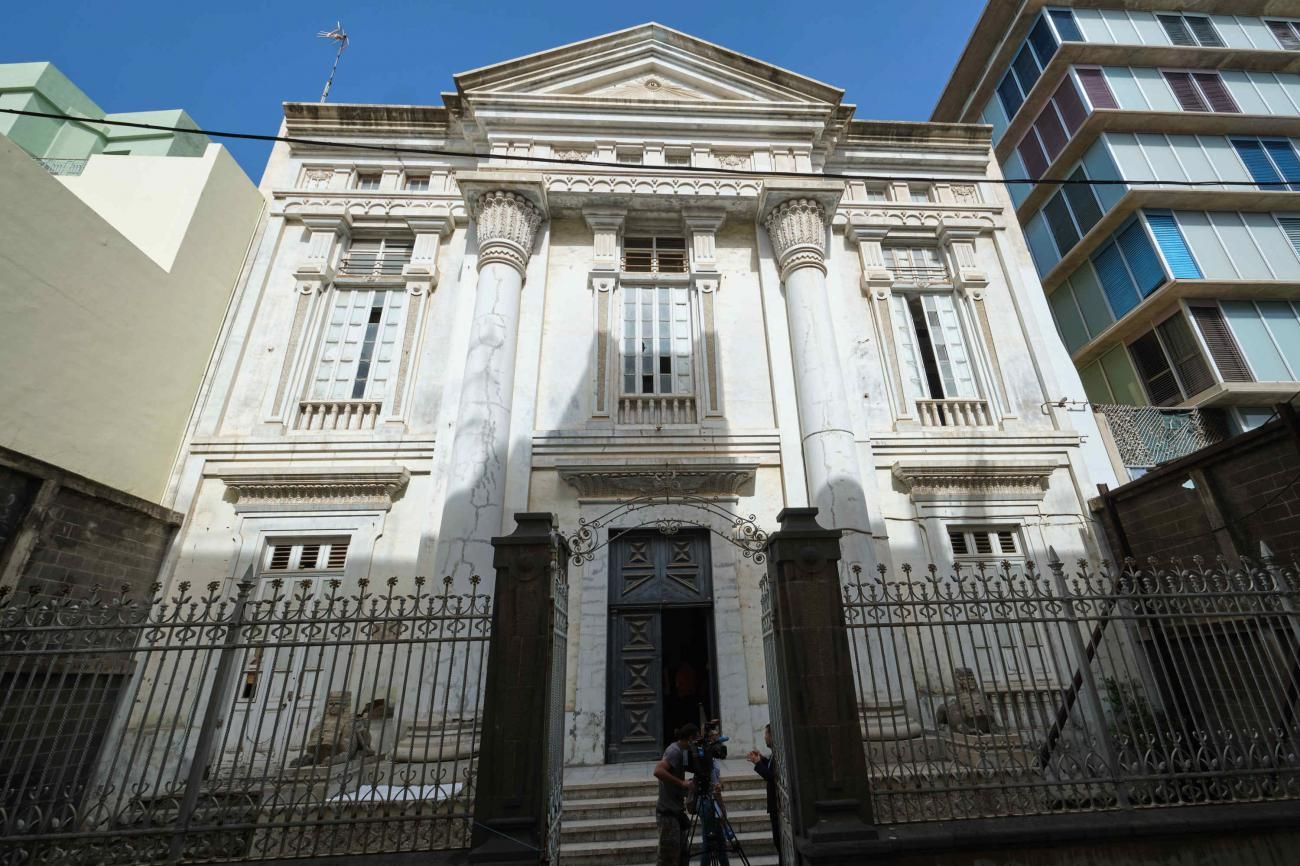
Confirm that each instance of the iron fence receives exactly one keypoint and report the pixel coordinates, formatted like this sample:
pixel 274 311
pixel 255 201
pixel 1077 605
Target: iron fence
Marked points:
pixel 280 720
pixel 559 577
pixel 1018 691
pixel 776 702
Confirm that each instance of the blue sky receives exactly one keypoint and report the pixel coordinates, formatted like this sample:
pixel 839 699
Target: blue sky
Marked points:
pixel 231 63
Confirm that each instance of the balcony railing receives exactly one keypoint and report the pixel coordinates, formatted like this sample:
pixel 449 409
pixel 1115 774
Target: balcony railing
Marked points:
pixel 371 265
pixel 63 166
pixel 921 276
pixel 1146 436
pixel 656 410
pixel 954 413
pixel 338 414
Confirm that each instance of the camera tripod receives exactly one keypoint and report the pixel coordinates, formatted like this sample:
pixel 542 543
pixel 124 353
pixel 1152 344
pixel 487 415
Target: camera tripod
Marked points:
pixel 714 844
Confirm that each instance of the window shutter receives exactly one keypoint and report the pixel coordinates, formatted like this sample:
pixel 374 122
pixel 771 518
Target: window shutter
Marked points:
pixel 1189 363
pixel 1083 201
pixel 1142 260
pixel 1257 162
pixel 279 560
pixel 913 377
pixel 1115 279
pixel 1031 151
pixel 1007 541
pixel 1096 88
pixel 1066 25
pixel 1154 369
pixel 1009 93
pixel 1070 105
pixel 957 539
pixel 983 543
pixel 1204 31
pixel 1057 214
pixel 1177 30
pixel 1173 245
pixel 949 346
pixel 1043 41
pixel 1285 159
pixel 1291 225
pixel 338 556
pixel 1216 92
pixel 1026 69
pixel 1050 132
pixel 1288 38
pixel 1185 91
pixel 1223 348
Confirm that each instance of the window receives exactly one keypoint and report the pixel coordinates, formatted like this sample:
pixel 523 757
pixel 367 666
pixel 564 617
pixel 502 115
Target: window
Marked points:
pixel 877 192
pixel 1028 64
pixel 628 155
pixel 1129 268
pixel 1287 33
pixel 1066 27
pixel 1190 30
pixel 916 265
pixel 919 193
pixel 1272 162
pixel 1268 331
pixel 377 256
pixel 654 255
pixel 359 347
pixel 417 183
pixel 932 347
pixel 1218 339
pixel 1096 88
pixel 317 555
pixel 975 544
pixel 1170 362
pixel 677 156
pixel 657 340
pixel 1179 258
pixel 368 180
pixel 1072 211
pixel 1201 91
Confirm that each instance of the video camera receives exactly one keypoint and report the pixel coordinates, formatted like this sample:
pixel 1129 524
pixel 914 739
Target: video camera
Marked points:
pixel 709 745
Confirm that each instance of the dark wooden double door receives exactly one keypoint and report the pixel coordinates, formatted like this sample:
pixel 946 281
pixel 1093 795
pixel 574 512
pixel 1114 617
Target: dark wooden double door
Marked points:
pixel 661 669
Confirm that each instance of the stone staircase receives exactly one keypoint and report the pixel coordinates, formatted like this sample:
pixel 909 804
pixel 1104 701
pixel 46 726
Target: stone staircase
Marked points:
pixel 609 817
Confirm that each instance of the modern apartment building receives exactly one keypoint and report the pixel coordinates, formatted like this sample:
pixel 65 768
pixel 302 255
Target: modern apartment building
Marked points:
pixel 1159 144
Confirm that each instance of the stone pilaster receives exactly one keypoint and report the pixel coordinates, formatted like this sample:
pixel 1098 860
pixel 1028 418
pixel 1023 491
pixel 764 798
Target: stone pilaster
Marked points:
pixel 607 229
pixel 702 226
pixel 317 268
pixel 871 256
pixel 961 243
pixel 429 232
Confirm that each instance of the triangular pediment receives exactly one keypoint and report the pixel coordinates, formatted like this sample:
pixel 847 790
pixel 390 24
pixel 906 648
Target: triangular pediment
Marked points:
pixel 649 63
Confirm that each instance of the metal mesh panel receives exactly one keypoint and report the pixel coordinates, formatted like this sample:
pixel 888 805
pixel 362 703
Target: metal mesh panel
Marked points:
pixel 1148 435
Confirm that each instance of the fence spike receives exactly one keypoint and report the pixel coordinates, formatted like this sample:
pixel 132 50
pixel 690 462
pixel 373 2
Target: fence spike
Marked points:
pixel 1265 552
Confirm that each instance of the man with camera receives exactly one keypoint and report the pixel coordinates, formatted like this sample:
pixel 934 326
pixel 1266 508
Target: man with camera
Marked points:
pixel 670 810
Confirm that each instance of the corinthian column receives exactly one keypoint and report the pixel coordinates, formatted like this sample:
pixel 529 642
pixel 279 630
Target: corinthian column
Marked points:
pixel 798 227
pixel 475 500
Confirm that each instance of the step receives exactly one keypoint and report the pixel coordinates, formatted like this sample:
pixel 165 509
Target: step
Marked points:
pixel 625 852
pixel 596 829
pixel 644 804
pixel 604 790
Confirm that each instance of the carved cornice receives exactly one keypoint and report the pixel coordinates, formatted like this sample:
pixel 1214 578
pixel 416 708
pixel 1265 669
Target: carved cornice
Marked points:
pixel 958 481
pixel 911 219
pixel 507 227
pixel 293 490
pixel 657 185
pixel 797 228
pixel 306 205
pixel 627 480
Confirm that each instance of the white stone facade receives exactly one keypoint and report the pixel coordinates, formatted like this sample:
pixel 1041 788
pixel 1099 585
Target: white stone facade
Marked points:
pixel 786 365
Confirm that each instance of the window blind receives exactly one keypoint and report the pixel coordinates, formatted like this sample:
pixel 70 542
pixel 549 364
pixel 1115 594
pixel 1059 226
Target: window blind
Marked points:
pixel 1188 362
pixel 1291 226
pixel 1215 92
pixel 1116 283
pixel 1257 162
pixel 1044 43
pixel 1070 105
pixel 1026 69
pixel 1288 35
pixel 1096 88
pixel 1066 26
pixel 1009 94
pixel 1173 245
pixel 1057 214
pixel 1082 201
pixel 1148 272
pixel 1154 370
pixel 1223 348
pixel 1177 30
pixel 1283 156
pixel 1185 91
pixel 1051 132
pixel 1031 152
pixel 1203 29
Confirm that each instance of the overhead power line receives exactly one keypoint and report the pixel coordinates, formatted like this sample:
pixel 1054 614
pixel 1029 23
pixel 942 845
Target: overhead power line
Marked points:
pixel 671 169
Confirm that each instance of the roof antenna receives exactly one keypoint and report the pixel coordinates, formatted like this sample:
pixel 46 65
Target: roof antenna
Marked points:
pixel 341 37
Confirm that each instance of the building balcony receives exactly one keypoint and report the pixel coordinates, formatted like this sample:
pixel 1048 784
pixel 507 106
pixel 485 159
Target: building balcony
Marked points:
pixel 954 413
pixel 1146 436
pixel 366 265
pixel 338 414
pixel 656 410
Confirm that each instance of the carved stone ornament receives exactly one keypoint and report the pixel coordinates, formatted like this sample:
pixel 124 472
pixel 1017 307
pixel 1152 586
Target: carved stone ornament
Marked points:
pixel 965 193
pixel 317 178
pixel 572 155
pixel 956 481
pixel 725 479
pixel 358 489
pixel 507 226
pixel 798 231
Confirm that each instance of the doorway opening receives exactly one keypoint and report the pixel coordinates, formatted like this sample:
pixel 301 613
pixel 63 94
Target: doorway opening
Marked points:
pixel 688 668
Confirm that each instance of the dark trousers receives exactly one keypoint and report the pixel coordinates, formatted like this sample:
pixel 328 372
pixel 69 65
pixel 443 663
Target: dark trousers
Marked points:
pixel 776 836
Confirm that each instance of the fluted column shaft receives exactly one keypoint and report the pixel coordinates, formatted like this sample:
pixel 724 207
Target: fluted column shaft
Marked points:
pixel 475 502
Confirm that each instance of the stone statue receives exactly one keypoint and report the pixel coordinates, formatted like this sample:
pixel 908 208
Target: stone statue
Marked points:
pixel 337 736
pixel 968 712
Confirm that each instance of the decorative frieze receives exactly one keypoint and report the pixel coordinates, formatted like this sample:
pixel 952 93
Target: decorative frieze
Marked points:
pixel 797 228
pixel 507 227
pixel 295 490
pixel 622 480
pixel 958 481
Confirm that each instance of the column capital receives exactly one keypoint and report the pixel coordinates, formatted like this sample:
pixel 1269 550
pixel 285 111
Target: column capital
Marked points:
pixel 508 208
pixel 796 215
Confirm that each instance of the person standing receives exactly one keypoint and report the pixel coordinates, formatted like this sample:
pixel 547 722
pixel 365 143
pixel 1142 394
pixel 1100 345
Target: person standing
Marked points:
pixel 670 809
pixel 766 767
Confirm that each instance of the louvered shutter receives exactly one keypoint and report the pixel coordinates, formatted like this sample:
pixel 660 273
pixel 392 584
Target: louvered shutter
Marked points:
pixel 949 346
pixel 1096 88
pixel 1189 363
pixel 1057 214
pixel 1115 279
pixel 1009 94
pixel 336 369
pixel 1223 348
pixel 1142 260
pixel 1203 29
pixel 1285 159
pixel 1287 36
pixel 1083 201
pixel 1153 368
pixel 1291 225
pixel 1257 162
pixel 1031 152
pixel 1070 105
pixel 1066 26
pixel 1173 245
pixel 1177 30
pixel 1050 132
pixel 914 386
pixel 1026 69
pixel 1185 91
pixel 1216 92
pixel 1043 41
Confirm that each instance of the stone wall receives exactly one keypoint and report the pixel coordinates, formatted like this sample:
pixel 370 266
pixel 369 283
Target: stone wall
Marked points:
pixel 1224 499
pixel 60 531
